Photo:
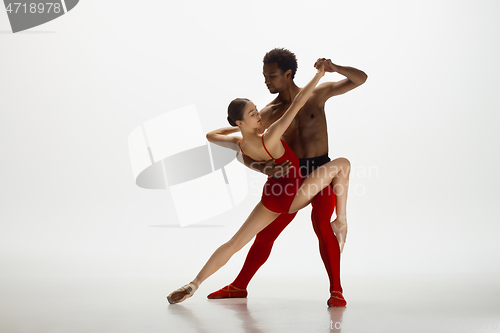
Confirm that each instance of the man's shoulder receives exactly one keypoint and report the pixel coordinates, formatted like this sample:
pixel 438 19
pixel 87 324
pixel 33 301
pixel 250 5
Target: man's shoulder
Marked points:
pixel 273 103
pixel 272 106
pixel 271 112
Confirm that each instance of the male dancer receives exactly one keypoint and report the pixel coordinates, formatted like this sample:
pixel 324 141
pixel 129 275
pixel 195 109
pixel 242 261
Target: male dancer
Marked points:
pixel 307 136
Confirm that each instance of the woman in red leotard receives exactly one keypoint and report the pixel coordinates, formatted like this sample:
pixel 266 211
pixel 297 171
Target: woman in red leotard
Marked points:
pixel 287 194
pixel 278 194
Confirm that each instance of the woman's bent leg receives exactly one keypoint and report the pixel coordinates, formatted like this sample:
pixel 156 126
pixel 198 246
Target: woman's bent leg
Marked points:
pixel 318 180
pixel 340 185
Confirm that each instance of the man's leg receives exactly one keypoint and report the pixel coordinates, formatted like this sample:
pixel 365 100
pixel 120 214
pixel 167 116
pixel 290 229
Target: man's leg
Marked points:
pixel 256 257
pixel 323 206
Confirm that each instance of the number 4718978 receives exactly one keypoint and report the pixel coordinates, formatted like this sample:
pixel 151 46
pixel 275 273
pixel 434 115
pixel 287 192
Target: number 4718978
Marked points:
pixel 33 7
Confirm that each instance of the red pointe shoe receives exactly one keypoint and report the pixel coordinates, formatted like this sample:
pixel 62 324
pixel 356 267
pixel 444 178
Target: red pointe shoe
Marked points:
pixel 229 291
pixel 336 299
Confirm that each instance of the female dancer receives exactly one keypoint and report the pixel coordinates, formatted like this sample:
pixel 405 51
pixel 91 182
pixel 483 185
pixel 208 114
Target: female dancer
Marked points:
pixel 287 194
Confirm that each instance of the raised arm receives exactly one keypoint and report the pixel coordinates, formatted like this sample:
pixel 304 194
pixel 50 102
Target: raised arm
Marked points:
pixel 276 130
pixel 354 78
pixel 222 138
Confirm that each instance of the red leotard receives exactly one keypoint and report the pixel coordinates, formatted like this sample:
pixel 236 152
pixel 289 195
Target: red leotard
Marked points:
pixel 278 194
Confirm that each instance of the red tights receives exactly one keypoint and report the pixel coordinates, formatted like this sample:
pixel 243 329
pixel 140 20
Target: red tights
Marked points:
pixel 322 209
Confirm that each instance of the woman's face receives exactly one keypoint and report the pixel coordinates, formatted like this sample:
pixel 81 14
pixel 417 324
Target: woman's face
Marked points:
pixel 251 116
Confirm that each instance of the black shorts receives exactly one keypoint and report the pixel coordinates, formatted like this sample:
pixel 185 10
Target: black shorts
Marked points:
pixel 307 165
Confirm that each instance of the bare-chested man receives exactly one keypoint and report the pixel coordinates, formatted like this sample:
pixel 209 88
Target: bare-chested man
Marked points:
pixel 307 136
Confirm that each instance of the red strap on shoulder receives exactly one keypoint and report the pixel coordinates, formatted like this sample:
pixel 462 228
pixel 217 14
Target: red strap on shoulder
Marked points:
pixel 266 148
pixel 239 144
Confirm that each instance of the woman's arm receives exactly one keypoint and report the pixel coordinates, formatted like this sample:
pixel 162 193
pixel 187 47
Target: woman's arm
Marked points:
pixel 276 130
pixel 222 138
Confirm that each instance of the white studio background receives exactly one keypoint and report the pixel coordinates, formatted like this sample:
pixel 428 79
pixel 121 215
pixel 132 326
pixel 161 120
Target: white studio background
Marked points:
pixel 420 133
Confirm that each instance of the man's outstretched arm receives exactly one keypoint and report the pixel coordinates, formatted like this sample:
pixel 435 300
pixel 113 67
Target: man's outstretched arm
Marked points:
pixel 354 78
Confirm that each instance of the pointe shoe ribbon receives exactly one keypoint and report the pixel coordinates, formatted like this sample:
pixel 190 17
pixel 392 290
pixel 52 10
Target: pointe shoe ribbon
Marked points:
pixel 183 293
pixel 340 230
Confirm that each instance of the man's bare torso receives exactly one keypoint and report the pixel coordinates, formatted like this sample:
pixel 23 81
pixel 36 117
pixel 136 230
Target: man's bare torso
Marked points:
pixel 307 135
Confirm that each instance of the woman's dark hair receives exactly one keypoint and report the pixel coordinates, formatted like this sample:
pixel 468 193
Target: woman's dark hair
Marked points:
pixel 285 59
pixel 235 110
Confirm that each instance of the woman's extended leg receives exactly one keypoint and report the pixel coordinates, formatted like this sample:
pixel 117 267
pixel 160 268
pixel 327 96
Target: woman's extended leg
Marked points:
pixel 256 221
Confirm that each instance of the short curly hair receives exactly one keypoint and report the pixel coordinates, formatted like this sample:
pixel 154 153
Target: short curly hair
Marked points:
pixel 284 58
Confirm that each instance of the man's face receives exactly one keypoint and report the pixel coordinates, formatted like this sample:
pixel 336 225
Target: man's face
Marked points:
pixel 274 78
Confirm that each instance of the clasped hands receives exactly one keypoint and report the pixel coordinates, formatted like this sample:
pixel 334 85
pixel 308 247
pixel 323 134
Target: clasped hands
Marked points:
pixel 330 67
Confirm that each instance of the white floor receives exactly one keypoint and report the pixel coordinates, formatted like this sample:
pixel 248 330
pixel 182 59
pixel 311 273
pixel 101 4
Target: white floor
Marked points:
pixel 398 304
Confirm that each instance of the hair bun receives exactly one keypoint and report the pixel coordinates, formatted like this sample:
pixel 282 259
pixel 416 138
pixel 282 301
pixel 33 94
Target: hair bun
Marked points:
pixel 235 110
